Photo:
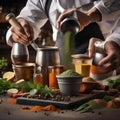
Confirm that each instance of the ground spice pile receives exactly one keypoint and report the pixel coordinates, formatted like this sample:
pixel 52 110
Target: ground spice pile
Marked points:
pixel 12 101
pixel 40 108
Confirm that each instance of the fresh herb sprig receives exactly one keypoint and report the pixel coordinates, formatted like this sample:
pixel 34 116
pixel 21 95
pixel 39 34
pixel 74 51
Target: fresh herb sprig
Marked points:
pixel 90 106
pixel 29 86
pixel 3 62
pixel 5 85
pixel 114 83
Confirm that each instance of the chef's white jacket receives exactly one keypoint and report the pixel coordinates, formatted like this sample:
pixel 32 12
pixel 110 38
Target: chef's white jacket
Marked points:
pixel 34 12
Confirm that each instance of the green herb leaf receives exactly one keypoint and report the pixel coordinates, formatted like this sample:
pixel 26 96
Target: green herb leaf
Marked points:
pixel 33 92
pixel 5 85
pixel 114 83
pixel 89 106
pixel 107 98
pixel 3 62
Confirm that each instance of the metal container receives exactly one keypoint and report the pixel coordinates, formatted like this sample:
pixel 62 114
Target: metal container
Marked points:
pixel 19 53
pixel 70 24
pixel 99 52
pixel 96 71
pixel 69 86
pixel 24 71
pixel 47 56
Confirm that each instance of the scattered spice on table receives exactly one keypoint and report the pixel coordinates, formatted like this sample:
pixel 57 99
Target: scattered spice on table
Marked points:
pixel 12 101
pixel 1 101
pixel 41 108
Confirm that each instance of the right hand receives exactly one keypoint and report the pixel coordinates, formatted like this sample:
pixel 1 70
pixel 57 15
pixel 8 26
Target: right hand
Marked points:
pixel 24 34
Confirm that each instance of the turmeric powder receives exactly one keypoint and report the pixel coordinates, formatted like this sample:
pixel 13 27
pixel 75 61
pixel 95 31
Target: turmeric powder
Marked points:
pixel 53 71
pixel 40 108
pixel 12 101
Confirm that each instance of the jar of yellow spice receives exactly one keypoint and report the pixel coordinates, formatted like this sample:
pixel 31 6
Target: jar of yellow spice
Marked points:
pixel 82 64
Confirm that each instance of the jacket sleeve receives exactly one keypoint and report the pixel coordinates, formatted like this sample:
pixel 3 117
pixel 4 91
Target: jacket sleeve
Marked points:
pixel 109 9
pixel 115 33
pixel 34 13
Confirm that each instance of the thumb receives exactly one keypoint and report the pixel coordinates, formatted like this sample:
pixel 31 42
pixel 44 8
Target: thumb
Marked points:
pixel 91 48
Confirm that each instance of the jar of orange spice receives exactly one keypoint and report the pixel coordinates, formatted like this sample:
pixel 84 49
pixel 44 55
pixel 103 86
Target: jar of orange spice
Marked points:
pixel 38 76
pixel 53 71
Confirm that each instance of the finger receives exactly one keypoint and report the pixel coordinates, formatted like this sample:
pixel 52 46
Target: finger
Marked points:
pixel 64 15
pixel 107 59
pixel 18 39
pixel 15 37
pixel 19 32
pixel 107 68
pixel 29 32
pixel 110 65
pixel 27 29
pixel 91 48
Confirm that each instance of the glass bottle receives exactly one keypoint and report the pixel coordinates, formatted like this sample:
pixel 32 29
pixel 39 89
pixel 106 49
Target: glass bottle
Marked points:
pixel 53 71
pixel 38 77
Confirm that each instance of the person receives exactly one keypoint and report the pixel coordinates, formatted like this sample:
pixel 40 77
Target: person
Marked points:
pixel 35 14
pixel 105 10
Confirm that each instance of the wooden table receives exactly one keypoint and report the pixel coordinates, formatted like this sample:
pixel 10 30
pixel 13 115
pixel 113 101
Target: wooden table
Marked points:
pixel 13 112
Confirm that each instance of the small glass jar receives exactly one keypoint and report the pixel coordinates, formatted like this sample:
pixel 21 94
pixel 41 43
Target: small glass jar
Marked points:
pixel 82 64
pixel 38 77
pixel 53 71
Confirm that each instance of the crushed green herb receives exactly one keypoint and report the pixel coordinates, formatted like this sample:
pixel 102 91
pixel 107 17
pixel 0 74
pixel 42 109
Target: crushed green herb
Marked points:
pixel 69 73
pixel 68 49
pixel 3 62
pixel 114 83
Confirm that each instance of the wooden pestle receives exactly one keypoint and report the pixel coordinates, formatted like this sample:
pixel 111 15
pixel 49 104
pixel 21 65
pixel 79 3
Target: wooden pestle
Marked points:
pixel 13 21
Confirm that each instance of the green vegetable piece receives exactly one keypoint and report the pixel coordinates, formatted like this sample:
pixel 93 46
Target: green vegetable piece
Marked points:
pixel 86 109
pixel 114 83
pixel 5 85
pixel 89 106
pixel 107 98
pixel 3 62
pixel 33 92
pixel 82 107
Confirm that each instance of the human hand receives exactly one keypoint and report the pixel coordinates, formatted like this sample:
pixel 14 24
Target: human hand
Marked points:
pixel 83 18
pixel 22 34
pixel 112 59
